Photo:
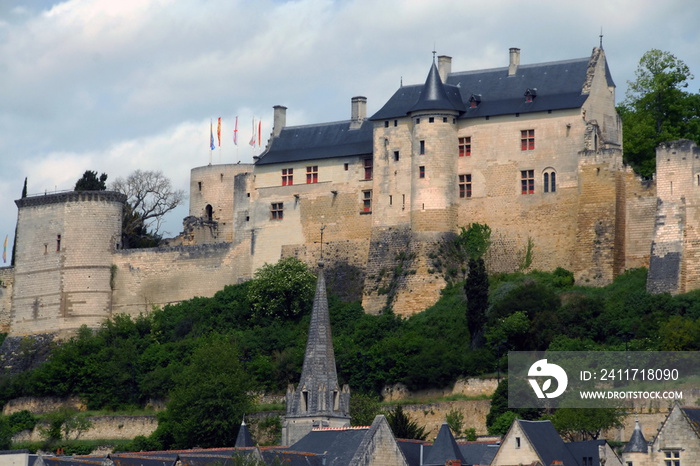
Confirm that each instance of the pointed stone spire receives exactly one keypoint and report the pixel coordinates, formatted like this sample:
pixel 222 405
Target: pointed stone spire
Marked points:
pixel 318 400
pixel 444 449
pixel 244 439
pixel 637 443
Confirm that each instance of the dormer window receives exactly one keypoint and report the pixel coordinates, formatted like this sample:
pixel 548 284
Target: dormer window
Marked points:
pixel 530 95
pixel 474 100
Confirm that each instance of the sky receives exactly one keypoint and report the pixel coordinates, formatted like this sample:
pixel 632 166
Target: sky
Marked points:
pixel 115 86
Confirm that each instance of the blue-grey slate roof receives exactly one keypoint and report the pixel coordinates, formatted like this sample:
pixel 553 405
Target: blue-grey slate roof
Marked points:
pixel 444 448
pixel 435 96
pixel 637 442
pixel 340 445
pixel 693 415
pixel 478 453
pixel 585 449
pixel 244 439
pixel 546 441
pixel 321 141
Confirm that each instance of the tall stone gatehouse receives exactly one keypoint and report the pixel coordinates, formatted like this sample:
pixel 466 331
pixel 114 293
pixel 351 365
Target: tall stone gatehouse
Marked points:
pixel 318 400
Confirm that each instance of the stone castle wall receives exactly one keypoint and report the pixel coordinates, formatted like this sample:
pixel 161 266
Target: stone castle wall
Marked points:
pixel 7 280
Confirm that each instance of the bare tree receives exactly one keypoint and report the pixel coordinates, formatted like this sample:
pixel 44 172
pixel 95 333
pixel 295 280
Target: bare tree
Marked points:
pixel 150 196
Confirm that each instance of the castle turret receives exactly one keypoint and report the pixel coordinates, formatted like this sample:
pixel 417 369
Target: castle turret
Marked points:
pixel 433 166
pixel 63 274
pixel 318 400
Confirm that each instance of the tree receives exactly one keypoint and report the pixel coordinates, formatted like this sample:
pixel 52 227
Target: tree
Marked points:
pixel 363 409
pixel 210 398
pixel 149 195
pixel 90 182
pixel 658 109
pixel 578 424
pixel 403 427
pixel 283 290
pixel 476 240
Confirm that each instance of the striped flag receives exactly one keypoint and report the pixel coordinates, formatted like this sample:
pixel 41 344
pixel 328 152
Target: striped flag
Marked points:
pixel 260 133
pixel 4 251
pixel 218 132
pixel 211 136
pixel 252 138
pixel 235 132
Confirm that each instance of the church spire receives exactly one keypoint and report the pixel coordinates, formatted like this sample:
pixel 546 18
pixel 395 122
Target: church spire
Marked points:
pixel 318 400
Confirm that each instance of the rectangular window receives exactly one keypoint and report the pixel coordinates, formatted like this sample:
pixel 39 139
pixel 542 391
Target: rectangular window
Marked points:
pixel 421 172
pixel 386 124
pixel 58 243
pixel 346 166
pixel 465 186
pixel 431 120
pixel 396 122
pixel 672 458
pixel 276 210
pixel 422 147
pixel 312 174
pixel 527 139
pixel 287 176
pixel 367 201
pixel 396 156
pixel 527 182
pixel 465 146
pixel 368 169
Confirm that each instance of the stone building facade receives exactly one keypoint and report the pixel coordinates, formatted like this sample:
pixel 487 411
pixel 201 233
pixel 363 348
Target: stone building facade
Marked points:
pixel 534 151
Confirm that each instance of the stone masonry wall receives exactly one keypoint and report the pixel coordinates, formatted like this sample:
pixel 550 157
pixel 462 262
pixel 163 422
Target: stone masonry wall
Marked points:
pixel 640 211
pixel 7 280
pixel 144 278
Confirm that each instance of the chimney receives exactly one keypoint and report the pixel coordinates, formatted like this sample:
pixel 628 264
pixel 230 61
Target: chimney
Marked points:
pixel 514 61
pixel 358 111
pixel 279 120
pixel 444 66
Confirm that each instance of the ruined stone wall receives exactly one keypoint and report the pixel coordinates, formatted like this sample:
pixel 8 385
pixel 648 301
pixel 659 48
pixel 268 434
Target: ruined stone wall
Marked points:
pixel 640 211
pixel 7 279
pixel 673 263
pixel 63 260
pixel 144 278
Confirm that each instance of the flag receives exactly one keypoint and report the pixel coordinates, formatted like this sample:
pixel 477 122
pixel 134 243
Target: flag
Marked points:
pixel 260 133
pixel 252 138
pixel 218 132
pixel 4 251
pixel 235 132
pixel 211 136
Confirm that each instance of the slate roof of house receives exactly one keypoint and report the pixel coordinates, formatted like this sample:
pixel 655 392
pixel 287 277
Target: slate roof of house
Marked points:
pixel 244 439
pixel 341 444
pixel 444 448
pixel 546 441
pixel 320 141
pixel 585 449
pixel 434 95
pixel 478 452
pixel 693 415
pixel 637 442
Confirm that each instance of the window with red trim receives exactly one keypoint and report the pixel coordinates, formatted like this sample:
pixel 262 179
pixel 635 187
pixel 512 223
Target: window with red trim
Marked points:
pixel 367 201
pixel 465 186
pixel 527 139
pixel 312 174
pixel 368 169
pixel 287 176
pixel 421 171
pixel 527 182
pixel 465 146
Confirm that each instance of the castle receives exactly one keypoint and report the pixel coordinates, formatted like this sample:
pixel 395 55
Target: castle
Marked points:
pixel 532 150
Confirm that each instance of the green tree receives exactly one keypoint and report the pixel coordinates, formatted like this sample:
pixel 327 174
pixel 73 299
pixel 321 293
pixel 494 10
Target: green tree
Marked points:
pixel 455 421
pixel 658 109
pixel 403 427
pixel 90 182
pixel 363 409
pixel 5 433
pixel 476 240
pixel 283 290
pixel 209 399
pixel 578 424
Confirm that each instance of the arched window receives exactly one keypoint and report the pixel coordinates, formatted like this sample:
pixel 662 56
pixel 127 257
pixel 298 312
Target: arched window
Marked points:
pixel 209 212
pixel 549 181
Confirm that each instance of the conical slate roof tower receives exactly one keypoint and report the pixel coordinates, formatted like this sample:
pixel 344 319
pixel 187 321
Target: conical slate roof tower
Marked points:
pixel 318 400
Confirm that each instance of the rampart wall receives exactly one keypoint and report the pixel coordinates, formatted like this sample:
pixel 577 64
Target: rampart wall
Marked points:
pixel 144 278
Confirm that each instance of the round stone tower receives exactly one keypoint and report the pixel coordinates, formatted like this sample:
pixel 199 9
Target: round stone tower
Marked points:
pixel 63 262
pixel 434 156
